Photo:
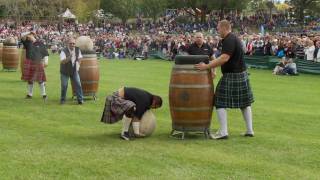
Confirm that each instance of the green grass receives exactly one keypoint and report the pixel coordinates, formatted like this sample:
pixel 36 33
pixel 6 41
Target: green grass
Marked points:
pixel 50 141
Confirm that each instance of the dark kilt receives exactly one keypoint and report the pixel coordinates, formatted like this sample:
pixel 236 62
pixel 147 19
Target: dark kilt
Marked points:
pixel 33 71
pixel 114 108
pixel 233 91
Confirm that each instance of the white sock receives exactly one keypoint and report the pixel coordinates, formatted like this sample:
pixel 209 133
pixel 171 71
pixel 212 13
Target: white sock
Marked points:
pixel 136 127
pixel 30 89
pixel 247 116
pixel 222 118
pixel 125 124
pixel 42 88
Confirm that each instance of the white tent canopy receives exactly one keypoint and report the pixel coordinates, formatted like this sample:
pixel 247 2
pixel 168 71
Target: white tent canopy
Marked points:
pixel 67 14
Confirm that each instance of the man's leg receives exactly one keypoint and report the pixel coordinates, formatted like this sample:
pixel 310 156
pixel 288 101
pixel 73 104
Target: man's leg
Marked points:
pixel 222 118
pixel 126 121
pixel 64 87
pixel 30 89
pixel 136 128
pixel 43 90
pixel 247 116
pixel 77 83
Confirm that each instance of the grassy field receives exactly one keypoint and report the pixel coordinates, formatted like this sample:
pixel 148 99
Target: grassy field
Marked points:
pixel 48 141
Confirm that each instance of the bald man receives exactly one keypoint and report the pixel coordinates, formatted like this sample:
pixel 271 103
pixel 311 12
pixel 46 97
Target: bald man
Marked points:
pixel 233 89
pixel 199 47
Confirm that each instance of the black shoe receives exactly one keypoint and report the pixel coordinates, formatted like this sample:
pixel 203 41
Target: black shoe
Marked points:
pixel 80 102
pixel 125 136
pixel 28 96
pixel 248 135
pixel 44 97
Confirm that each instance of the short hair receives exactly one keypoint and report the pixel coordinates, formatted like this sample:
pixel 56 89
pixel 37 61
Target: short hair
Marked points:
pixel 157 100
pixel 198 34
pixel 225 24
pixel 71 39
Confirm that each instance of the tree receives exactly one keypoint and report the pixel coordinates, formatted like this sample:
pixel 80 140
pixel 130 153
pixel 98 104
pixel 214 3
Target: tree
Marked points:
pixel 270 6
pixel 153 8
pixel 302 6
pixel 123 9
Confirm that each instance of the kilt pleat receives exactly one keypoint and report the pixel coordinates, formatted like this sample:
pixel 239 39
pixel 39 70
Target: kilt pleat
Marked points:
pixel 233 91
pixel 33 71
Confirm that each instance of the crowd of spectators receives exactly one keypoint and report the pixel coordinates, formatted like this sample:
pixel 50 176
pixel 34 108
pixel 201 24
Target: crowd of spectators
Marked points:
pixel 140 40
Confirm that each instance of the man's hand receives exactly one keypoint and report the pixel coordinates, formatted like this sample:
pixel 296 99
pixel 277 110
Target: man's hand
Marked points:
pixel 201 66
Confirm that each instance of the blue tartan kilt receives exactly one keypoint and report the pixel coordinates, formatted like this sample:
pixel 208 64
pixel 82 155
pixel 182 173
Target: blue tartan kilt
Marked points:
pixel 233 91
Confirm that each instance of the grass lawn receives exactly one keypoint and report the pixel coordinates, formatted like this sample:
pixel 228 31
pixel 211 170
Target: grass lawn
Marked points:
pixel 49 141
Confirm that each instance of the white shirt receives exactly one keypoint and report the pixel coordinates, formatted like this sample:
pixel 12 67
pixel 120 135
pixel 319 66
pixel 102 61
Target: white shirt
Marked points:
pixel 309 52
pixel 73 57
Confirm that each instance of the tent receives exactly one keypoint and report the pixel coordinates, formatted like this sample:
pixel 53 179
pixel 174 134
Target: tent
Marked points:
pixel 67 14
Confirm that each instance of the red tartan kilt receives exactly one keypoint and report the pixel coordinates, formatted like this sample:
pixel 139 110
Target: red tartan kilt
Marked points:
pixel 33 71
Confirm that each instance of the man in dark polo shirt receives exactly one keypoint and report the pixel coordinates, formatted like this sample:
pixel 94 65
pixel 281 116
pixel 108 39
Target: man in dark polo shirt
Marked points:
pixel 233 89
pixel 199 47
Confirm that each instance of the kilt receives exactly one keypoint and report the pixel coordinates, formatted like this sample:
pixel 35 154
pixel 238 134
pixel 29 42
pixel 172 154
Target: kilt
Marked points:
pixel 233 91
pixel 33 71
pixel 114 108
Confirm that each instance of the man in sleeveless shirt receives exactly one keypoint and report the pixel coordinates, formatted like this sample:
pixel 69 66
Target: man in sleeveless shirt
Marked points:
pixel 69 68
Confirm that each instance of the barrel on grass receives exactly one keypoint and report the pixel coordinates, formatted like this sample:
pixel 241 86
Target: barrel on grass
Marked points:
pixel 10 55
pixel 89 74
pixel 190 95
pixel 89 67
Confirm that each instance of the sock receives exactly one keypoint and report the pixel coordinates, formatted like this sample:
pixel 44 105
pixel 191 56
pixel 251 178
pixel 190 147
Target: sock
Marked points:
pixel 42 88
pixel 136 127
pixel 222 118
pixel 125 124
pixel 247 116
pixel 30 89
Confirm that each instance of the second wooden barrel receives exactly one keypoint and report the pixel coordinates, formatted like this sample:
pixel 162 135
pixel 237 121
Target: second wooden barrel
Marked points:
pixel 190 94
pixel 89 74
pixel 10 57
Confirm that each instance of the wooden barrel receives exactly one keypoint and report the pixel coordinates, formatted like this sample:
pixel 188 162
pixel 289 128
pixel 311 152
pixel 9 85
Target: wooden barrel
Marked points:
pixel 22 58
pixel 1 47
pixel 89 75
pixel 190 94
pixel 10 57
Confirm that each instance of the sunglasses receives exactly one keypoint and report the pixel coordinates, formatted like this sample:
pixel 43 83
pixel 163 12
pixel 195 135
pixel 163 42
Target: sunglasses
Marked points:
pixel 72 43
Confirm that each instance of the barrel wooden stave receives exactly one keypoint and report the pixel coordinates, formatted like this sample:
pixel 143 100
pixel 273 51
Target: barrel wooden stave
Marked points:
pixel 190 98
pixel 10 57
pixel 89 75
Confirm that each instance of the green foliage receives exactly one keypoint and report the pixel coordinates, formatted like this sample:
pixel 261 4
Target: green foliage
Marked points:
pixel 49 141
pixel 123 9
pixel 153 8
pixel 305 7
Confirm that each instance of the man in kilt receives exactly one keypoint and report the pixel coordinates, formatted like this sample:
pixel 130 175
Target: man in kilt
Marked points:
pixel 233 89
pixel 34 64
pixel 131 102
